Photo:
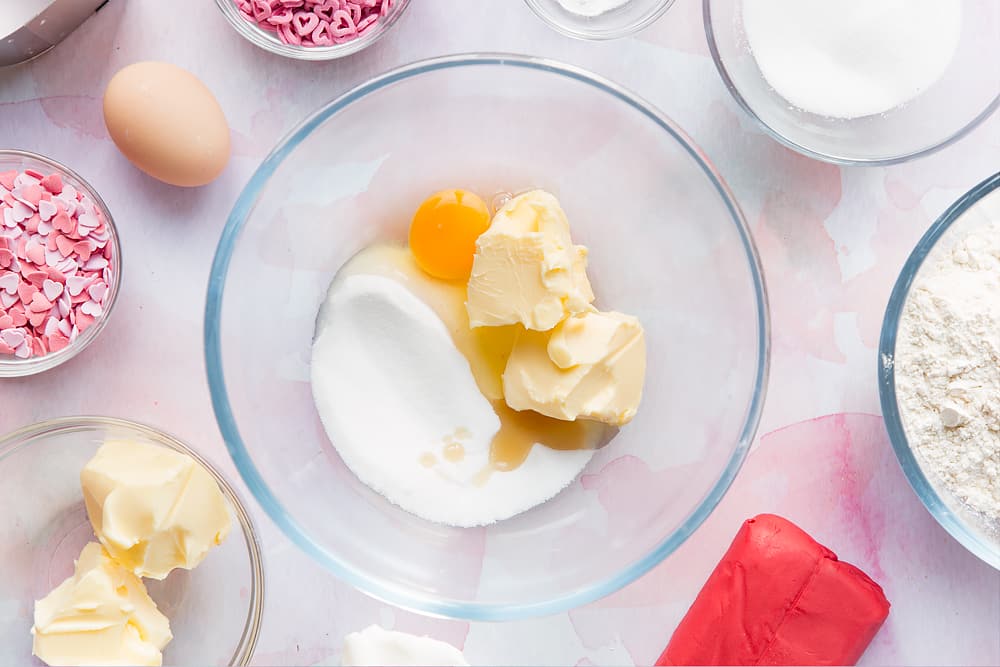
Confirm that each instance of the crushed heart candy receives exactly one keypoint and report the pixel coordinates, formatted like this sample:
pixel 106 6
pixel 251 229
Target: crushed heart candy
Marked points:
pixel 56 264
pixel 313 23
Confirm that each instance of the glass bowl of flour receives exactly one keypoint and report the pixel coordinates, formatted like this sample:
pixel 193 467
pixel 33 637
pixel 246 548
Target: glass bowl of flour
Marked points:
pixel 667 244
pixel 939 376
pixel 858 82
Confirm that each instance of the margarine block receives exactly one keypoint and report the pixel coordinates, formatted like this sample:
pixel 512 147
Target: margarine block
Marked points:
pixel 102 615
pixel 526 269
pixel 591 366
pixel 153 508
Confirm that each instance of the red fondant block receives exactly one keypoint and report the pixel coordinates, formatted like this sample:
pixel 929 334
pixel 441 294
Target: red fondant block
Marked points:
pixel 778 597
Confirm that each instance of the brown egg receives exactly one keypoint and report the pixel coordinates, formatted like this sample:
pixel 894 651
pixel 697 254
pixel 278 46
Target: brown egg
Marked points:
pixel 167 123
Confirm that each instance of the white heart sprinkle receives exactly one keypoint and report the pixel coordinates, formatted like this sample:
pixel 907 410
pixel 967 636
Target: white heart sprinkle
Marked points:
pixel 23 179
pixel 8 300
pixel 64 327
pixel 53 257
pixel 51 326
pixel 23 351
pixel 8 218
pixel 9 282
pixel 91 308
pixel 44 228
pixel 98 291
pixel 52 289
pixel 12 337
pixel 21 211
pixel 46 210
pixel 95 263
pixel 77 284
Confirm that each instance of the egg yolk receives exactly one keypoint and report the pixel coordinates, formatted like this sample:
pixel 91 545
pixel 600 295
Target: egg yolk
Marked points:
pixel 444 231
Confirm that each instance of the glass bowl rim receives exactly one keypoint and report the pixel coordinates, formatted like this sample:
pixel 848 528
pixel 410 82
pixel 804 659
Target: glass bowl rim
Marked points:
pixel 33 365
pixel 262 40
pixel 887 378
pixel 844 160
pixel 601 34
pixel 400 596
pixel 23 437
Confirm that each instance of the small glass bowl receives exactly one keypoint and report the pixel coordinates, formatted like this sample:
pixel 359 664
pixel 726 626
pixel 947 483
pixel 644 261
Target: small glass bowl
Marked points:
pixel 979 206
pixel 964 96
pixel 14 367
pixel 214 610
pixel 269 41
pixel 630 18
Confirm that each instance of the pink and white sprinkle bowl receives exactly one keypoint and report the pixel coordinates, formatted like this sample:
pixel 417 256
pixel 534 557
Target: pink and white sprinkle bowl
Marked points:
pixel 269 40
pixel 11 366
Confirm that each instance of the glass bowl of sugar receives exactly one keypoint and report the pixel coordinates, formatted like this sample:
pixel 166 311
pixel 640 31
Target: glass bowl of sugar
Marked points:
pixel 861 83
pixel 599 19
pixel 937 370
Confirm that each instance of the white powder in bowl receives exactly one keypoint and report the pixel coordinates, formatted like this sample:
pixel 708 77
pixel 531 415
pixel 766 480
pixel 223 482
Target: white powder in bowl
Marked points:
pixel 591 8
pixel 389 384
pixel 947 367
pixel 852 58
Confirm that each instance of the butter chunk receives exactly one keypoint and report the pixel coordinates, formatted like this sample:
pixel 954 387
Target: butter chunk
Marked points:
pixel 526 269
pixel 591 366
pixel 153 508
pixel 102 615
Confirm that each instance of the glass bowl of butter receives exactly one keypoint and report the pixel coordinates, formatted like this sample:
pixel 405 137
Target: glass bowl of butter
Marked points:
pixel 382 398
pixel 73 596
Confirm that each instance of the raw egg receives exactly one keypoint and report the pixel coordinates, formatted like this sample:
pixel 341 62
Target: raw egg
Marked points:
pixel 444 231
pixel 167 123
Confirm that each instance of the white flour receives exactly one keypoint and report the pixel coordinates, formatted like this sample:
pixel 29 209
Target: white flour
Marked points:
pixel 948 369
pixel 854 57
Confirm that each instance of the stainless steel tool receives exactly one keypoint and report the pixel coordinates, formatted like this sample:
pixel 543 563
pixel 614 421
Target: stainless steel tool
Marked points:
pixel 29 28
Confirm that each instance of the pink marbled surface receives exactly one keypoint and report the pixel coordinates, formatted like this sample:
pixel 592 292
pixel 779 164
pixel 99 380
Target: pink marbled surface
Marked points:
pixel 832 241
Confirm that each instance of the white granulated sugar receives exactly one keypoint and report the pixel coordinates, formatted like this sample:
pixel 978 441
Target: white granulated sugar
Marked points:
pixel 852 58
pixel 947 366
pixel 389 383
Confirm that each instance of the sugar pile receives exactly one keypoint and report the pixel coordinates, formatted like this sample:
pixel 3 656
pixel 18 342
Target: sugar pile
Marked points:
pixel 852 58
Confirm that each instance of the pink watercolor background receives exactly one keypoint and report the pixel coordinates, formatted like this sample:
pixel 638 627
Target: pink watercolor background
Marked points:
pixel 832 241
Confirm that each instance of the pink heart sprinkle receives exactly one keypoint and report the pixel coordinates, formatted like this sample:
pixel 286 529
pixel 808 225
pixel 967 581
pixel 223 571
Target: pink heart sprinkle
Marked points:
pixel 53 289
pixel 36 278
pixel 36 253
pixel 20 319
pixel 27 292
pixel 83 249
pixel 6 322
pixel 65 246
pixel 53 183
pixel 36 318
pixel 39 303
pixel 7 179
pixel 57 341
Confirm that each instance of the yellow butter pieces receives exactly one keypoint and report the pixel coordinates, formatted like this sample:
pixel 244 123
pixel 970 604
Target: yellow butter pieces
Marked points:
pixel 154 509
pixel 102 615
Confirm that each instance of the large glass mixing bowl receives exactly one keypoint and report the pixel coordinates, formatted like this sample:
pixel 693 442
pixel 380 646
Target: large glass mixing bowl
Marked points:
pixel 667 244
